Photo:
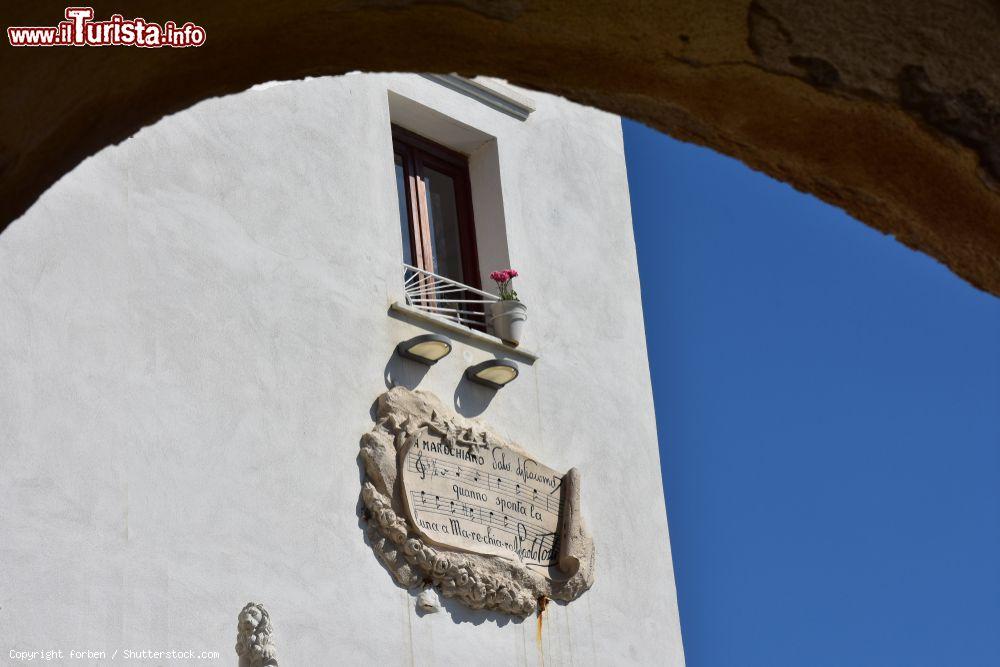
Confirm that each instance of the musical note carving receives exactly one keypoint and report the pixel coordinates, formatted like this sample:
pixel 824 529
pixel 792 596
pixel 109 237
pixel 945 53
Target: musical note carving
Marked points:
pixel 498 501
pixel 449 503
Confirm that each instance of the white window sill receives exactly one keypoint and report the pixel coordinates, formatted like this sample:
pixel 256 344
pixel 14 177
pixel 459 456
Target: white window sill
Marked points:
pixel 436 324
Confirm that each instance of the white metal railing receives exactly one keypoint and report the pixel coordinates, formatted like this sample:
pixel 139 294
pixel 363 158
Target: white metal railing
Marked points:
pixel 446 298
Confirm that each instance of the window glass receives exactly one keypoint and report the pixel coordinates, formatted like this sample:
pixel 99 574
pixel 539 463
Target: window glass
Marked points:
pixel 405 225
pixel 435 211
pixel 442 213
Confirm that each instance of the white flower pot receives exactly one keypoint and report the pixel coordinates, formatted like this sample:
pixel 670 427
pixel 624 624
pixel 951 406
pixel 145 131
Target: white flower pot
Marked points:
pixel 507 320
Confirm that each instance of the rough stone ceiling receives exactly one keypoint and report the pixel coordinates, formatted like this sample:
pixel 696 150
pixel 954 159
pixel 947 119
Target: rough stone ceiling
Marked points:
pixel 889 110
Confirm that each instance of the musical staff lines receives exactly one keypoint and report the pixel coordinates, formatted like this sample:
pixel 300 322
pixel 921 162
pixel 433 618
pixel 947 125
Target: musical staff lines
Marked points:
pixel 513 505
pixel 471 476
pixel 534 535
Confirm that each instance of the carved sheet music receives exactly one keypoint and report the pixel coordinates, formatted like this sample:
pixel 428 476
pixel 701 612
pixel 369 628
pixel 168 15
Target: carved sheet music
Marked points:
pixel 486 499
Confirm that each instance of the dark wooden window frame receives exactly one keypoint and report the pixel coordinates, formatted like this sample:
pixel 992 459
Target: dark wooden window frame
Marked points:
pixel 416 153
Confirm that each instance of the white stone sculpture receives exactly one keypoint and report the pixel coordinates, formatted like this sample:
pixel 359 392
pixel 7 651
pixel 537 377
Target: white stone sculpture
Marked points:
pixel 253 637
pixel 428 601
pixel 483 578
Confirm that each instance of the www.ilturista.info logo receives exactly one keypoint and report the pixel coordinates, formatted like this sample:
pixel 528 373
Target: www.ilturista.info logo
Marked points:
pixel 79 29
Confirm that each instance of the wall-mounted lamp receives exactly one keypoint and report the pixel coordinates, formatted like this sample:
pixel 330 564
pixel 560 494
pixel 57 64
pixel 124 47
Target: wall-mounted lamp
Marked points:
pixel 493 373
pixel 427 349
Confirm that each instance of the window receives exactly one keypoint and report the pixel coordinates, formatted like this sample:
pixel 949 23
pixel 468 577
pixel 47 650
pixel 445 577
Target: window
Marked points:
pixel 435 208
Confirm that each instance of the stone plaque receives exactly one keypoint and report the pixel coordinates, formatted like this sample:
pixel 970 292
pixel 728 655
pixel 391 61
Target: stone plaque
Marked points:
pixel 450 504
pixel 492 500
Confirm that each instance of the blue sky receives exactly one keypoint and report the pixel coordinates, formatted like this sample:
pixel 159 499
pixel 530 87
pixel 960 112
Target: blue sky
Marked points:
pixel 828 405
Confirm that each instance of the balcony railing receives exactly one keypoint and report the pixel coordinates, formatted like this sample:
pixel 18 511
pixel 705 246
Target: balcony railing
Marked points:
pixel 446 298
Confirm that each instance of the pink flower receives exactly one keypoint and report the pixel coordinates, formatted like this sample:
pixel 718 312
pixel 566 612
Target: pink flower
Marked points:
pixel 503 276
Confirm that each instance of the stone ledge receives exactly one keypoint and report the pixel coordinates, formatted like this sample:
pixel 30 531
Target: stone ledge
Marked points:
pixel 438 325
pixel 488 91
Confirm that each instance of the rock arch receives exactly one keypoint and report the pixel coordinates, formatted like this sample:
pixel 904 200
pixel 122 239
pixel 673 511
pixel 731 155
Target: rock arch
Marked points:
pixel 890 110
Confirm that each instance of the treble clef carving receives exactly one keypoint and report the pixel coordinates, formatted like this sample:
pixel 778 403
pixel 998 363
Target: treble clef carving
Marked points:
pixel 420 466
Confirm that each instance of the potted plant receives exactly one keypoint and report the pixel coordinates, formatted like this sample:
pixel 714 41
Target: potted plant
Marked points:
pixel 507 315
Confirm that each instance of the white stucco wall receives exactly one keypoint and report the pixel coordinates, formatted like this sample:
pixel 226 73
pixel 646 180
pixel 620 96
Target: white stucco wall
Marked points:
pixel 193 328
